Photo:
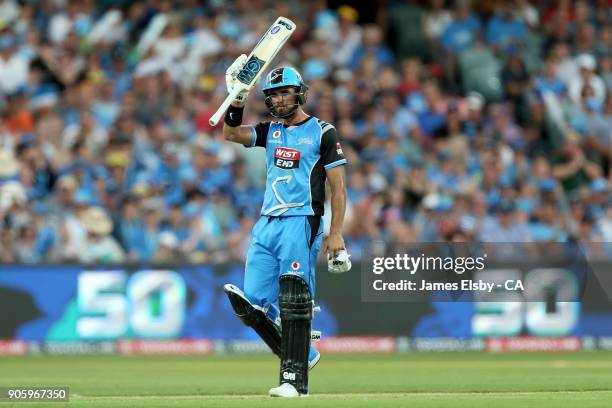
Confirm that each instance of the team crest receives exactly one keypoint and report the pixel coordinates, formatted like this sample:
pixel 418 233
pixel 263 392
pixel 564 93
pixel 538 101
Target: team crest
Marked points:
pixel 339 149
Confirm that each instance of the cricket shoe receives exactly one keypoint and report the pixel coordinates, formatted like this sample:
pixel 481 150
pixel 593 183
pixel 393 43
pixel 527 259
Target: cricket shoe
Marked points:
pixel 285 390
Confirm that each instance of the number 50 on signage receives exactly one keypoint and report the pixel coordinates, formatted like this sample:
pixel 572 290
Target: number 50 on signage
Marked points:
pixel 149 303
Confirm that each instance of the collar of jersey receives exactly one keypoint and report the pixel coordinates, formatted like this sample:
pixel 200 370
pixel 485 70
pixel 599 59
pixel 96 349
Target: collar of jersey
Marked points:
pixel 299 123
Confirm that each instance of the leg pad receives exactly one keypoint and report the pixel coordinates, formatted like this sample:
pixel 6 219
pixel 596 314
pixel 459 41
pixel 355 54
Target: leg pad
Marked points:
pixel 254 317
pixel 296 315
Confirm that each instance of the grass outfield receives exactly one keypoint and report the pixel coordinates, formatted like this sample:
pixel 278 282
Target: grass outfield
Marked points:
pixel 417 380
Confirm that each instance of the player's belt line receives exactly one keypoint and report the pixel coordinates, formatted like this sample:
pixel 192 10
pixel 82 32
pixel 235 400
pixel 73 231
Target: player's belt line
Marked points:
pixel 349 394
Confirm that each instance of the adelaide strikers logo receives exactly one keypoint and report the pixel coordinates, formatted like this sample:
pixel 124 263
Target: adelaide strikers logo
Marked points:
pixel 250 69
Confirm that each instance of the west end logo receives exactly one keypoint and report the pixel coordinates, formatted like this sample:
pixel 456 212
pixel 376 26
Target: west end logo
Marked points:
pixel 286 158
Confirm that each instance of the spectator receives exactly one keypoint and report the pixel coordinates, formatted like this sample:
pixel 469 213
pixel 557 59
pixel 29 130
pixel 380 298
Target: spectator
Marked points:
pixel 505 30
pixel 587 64
pixel 14 68
pixel 114 119
pixel 167 250
pixel 98 246
pixel 504 227
pixel 372 47
pixel 549 81
pixel 462 33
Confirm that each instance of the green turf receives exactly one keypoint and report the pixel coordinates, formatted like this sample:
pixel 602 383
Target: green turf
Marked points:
pixel 417 380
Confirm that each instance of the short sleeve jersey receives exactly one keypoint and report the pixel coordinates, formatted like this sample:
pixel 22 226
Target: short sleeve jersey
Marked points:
pixel 297 157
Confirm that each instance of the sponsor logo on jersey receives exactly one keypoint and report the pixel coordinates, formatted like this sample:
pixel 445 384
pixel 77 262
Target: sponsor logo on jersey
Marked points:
pixel 339 149
pixel 286 158
pixel 295 265
pixel 303 141
pixel 276 134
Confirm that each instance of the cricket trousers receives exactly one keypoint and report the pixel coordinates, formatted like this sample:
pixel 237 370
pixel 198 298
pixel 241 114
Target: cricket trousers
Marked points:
pixel 281 245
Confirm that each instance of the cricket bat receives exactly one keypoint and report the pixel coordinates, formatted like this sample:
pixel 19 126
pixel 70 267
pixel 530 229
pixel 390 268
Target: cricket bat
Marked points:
pixel 264 52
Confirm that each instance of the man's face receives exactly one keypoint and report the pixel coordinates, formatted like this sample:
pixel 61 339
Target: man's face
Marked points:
pixel 283 99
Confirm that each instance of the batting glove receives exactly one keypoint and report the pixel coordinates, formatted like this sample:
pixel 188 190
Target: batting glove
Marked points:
pixel 230 77
pixel 341 263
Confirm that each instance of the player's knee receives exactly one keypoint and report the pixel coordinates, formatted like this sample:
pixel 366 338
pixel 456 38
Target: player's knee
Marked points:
pixel 295 299
pixel 253 298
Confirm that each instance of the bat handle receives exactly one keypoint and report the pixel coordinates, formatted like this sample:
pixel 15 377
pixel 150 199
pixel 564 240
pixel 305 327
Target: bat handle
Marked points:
pixel 214 119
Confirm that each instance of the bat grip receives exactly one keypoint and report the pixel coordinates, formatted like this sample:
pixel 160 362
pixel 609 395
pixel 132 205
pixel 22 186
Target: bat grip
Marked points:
pixel 214 119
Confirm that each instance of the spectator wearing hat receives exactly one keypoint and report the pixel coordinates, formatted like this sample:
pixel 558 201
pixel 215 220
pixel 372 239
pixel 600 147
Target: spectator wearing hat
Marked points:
pixel 504 227
pixel 167 250
pixel 600 197
pixel 98 246
pixel 9 166
pixel 587 64
pixel 13 206
pixel 176 223
pixel 14 67
pixel 547 222
pixel 348 36
pixel 435 208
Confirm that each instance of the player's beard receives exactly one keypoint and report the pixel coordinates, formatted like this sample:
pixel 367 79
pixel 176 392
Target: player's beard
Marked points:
pixel 286 111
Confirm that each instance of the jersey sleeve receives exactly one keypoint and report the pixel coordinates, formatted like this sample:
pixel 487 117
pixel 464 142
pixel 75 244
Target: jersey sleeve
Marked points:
pixel 259 134
pixel 331 151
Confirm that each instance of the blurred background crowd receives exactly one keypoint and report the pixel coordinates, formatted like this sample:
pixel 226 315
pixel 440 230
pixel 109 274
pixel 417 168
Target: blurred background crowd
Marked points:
pixel 461 121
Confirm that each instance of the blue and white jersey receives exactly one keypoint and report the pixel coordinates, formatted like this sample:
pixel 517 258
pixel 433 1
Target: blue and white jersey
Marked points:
pixel 297 157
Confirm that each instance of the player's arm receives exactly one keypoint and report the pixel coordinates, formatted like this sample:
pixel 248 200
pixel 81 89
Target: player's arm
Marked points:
pixel 337 185
pixel 233 130
pixel 246 135
pixel 334 164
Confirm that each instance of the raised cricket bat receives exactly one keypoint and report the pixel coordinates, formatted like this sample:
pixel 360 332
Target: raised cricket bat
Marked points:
pixel 264 52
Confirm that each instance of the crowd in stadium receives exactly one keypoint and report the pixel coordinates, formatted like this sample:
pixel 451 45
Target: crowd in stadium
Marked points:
pixel 482 121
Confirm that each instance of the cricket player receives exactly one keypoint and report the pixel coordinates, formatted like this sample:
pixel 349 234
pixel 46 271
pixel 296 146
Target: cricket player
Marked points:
pixel 301 153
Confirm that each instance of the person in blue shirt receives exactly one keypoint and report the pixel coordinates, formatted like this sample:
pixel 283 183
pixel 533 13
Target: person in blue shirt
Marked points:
pixel 548 81
pixel 506 30
pixel 462 33
pixel 302 152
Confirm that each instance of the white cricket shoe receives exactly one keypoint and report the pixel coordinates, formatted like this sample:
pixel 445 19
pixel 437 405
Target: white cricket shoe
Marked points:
pixel 285 390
